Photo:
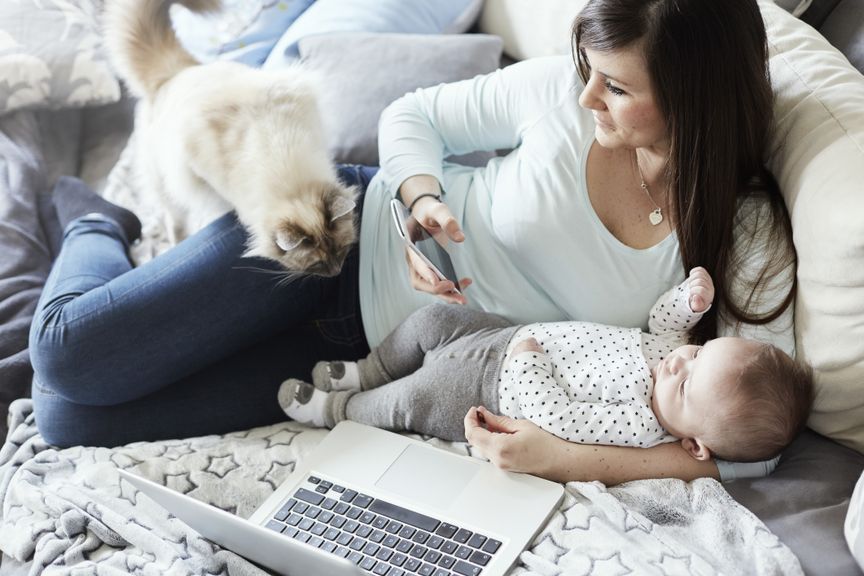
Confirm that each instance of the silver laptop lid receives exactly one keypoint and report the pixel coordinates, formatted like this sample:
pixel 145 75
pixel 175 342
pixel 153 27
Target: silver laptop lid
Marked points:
pixel 255 543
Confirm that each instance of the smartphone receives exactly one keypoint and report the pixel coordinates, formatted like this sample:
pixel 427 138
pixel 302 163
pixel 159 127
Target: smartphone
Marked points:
pixel 423 244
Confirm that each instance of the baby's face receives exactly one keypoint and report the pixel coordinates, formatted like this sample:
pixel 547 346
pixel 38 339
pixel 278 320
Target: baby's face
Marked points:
pixel 693 381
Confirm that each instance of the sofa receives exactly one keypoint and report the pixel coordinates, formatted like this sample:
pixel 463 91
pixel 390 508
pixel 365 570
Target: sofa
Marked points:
pixel 83 128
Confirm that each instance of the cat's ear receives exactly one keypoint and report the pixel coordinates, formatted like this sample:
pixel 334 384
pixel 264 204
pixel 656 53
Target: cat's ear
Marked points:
pixel 341 206
pixel 288 241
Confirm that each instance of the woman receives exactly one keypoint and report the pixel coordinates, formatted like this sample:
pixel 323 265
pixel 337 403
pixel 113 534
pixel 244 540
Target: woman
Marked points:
pixel 612 190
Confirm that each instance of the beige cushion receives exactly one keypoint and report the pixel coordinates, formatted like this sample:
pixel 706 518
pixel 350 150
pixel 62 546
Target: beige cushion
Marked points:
pixel 818 158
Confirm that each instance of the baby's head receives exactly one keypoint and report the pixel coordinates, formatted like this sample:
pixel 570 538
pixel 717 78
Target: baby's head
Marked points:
pixel 732 398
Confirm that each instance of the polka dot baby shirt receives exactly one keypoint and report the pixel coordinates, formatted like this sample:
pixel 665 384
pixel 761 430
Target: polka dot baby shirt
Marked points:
pixel 593 384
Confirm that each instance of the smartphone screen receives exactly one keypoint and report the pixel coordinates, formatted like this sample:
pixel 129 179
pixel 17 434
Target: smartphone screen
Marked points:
pixel 423 244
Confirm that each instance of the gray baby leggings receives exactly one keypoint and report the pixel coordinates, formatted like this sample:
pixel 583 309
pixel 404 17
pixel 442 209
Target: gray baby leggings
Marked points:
pixel 428 372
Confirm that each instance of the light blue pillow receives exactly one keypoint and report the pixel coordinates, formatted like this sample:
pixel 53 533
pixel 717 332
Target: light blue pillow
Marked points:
pixel 244 31
pixel 393 16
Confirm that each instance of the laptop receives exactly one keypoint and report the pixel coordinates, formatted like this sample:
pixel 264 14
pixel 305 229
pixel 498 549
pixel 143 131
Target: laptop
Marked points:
pixel 368 501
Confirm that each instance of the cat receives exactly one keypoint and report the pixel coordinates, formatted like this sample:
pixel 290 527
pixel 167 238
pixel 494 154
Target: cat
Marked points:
pixel 219 136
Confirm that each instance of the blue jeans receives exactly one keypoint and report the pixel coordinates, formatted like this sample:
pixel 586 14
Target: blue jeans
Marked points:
pixel 194 342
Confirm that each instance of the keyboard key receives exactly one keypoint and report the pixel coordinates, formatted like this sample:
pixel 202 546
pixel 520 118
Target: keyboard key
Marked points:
pixel 446 562
pixel 307 496
pixel 355 557
pixel 449 547
pixel 313 512
pixel 318 529
pixel 407 532
pixel 325 517
pixel 447 530
pixel 477 541
pixel 404 515
pixel 344 539
pixel 418 551
pixel 290 531
pixel 384 554
pixel 368 563
pixel 362 500
pixel 364 531
pixel 328 547
pixel 339 522
pixel 321 489
pixel 398 559
pixel 275 526
pixel 313 480
pixel 300 507
pixel 404 546
pixel 412 564
pixel 326 484
pixel 391 541
pixel 328 504
pixel 420 537
pixel 349 526
pixel 380 522
pixel 354 513
pixel 393 527
pixel 463 552
pixel 285 510
pixel 331 534
pixel 466 569
pixel 462 536
pixel 341 508
pixel 342 551
pixel 316 541
pixel 441 572
pixel 426 570
pixel 394 571
pixel 293 519
pixel 338 488
pixel 306 524
pixel 491 546
pixel 357 544
pixel 367 517
pixel 381 569
pixel 371 548
pixel 302 537
pixel 480 558
pixel 348 496
pixel 435 542
pixel 377 536
pixel 432 556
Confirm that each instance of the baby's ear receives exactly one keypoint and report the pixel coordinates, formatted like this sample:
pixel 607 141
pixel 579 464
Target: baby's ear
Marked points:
pixel 696 448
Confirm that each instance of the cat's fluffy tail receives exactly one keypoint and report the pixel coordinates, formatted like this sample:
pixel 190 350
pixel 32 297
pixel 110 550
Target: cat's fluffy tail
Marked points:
pixel 144 49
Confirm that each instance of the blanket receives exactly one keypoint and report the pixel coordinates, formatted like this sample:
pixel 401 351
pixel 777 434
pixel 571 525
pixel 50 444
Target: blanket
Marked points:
pixel 66 511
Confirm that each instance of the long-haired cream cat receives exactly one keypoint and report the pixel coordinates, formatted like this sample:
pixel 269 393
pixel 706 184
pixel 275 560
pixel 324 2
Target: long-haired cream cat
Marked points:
pixel 217 136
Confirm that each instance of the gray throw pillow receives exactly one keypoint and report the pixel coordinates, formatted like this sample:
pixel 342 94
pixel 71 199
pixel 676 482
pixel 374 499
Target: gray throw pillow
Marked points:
pixel 364 72
pixel 51 55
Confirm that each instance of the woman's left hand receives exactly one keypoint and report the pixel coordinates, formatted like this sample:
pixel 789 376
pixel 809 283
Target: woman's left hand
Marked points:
pixel 510 444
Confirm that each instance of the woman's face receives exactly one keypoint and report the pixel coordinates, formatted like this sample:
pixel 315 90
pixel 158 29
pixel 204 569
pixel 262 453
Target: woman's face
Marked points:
pixel 620 95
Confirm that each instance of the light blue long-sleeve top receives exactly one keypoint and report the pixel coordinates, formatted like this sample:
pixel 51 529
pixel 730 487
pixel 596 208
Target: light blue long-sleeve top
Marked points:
pixel 534 246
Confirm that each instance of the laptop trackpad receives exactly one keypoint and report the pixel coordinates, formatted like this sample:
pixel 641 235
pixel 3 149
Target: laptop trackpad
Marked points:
pixel 428 475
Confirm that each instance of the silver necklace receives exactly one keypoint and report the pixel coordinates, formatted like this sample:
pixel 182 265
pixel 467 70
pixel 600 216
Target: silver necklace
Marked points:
pixel 656 215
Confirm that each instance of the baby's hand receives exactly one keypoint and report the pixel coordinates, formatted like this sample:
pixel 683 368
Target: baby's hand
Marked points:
pixel 527 345
pixel 701 289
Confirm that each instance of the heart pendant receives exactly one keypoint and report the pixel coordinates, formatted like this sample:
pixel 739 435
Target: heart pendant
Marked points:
pixel 655 217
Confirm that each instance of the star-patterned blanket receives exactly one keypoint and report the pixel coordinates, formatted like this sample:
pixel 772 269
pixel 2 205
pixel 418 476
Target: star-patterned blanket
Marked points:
pixel 68 512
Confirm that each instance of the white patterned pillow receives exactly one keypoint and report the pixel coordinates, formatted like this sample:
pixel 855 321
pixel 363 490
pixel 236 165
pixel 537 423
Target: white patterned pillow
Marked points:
pixel 51 55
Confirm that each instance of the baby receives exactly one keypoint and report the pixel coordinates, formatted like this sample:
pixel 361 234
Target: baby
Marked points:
pixel 733 398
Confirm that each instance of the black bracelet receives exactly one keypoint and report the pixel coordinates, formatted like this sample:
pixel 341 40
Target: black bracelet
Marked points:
pixel 424 195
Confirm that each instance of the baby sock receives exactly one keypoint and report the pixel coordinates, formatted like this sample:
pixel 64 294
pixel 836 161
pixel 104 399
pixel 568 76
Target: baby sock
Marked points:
pixel 73 199
pixel 302 402
pixel 334 376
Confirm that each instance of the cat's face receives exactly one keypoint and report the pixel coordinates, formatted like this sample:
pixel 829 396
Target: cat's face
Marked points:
pixel 316 235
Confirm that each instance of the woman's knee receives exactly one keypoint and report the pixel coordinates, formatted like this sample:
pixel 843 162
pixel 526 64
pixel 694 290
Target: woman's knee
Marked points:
pixel 62 368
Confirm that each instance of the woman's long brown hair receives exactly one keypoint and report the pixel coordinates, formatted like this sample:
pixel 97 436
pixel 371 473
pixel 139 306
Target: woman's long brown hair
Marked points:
pixel 708 62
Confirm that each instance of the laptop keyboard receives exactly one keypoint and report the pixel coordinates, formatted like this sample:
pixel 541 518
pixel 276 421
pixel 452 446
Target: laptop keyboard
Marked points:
pixel 380 537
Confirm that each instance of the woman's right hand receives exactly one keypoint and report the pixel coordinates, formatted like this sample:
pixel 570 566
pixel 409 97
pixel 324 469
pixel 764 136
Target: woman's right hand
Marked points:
pixel 435 216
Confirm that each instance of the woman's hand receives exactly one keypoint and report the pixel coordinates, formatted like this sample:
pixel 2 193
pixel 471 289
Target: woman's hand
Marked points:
pixel 510 444
pixel 436 218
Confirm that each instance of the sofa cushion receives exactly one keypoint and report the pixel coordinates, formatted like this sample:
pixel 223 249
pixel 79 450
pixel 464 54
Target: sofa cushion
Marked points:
pixel 362 73
pixel 51 56
pixel 818 158
pixel 393 16
pixel 528 28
